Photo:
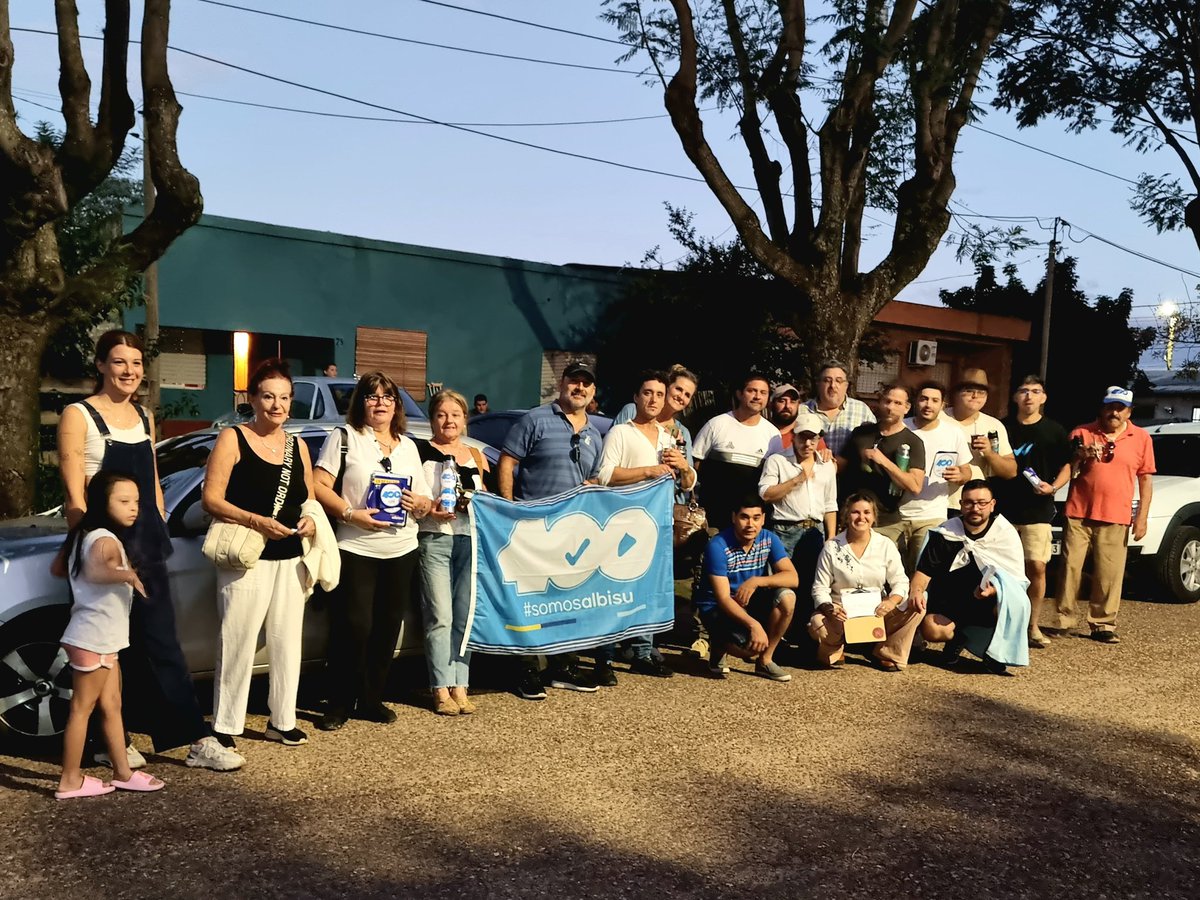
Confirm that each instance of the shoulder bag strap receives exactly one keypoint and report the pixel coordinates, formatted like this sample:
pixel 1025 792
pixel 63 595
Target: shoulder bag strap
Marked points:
pixel 341 472
pixel 285 475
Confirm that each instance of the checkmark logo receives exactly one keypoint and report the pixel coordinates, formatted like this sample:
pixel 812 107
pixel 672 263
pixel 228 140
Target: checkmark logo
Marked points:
pixel 627 543
pixel 573 558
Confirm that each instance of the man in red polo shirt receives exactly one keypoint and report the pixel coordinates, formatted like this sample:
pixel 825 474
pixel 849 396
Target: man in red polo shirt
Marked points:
pixel 1111 455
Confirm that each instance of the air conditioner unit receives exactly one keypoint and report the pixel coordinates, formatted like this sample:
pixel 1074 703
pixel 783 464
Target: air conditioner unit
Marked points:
pixel 922 353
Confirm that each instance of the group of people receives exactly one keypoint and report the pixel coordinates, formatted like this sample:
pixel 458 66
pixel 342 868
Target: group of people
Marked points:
pixel 945 513
pixel 370 514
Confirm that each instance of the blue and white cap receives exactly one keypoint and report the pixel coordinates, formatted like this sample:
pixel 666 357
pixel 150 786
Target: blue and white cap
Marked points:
pixel 1118 394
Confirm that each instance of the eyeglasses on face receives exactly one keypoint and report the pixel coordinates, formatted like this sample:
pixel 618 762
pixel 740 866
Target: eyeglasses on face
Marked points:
pixel 381 399
pixel 977 504
pixel 974 392
pixel 831 380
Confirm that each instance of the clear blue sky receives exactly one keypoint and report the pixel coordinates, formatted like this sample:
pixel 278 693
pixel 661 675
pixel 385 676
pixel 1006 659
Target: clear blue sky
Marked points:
pixel 431 185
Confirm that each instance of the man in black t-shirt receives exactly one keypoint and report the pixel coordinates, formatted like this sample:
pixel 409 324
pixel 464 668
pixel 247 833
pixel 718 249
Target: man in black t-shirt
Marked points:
pixel 956 598
pixel 1042 445
pixel 870 460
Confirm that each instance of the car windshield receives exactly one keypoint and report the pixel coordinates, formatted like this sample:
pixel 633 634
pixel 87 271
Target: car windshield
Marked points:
pixel 186 453
pixel 493 429
pixel 1177 454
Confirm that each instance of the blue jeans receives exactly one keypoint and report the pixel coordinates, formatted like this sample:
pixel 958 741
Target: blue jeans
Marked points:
pixel 804 547
pixel 641 646
pixel 445 604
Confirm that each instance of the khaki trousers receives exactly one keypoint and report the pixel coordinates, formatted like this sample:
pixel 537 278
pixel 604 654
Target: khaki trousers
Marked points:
pixel 909 537
pixel 1107 544
pixel 901 626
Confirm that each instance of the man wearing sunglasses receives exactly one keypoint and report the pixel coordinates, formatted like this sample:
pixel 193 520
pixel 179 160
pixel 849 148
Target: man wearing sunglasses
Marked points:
pixel 558 448
pixel 1112 455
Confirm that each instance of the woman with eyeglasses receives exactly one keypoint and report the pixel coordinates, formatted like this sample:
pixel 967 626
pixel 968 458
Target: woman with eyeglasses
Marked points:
pixel 446 554
pixel 378 543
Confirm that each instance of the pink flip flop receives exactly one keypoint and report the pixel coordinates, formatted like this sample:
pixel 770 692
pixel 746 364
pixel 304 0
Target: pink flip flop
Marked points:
pixel 92 787
pixel 140 781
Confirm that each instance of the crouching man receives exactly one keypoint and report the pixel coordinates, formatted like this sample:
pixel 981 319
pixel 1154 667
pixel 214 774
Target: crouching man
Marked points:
pixel 748 592
pixel 971 580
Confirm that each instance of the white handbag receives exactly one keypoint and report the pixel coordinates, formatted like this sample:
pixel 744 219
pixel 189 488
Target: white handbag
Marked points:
pixel 233 546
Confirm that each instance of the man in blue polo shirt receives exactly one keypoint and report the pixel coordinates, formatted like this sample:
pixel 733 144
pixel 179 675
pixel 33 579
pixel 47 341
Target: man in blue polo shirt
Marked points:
pixel 558 448
pixel 747 596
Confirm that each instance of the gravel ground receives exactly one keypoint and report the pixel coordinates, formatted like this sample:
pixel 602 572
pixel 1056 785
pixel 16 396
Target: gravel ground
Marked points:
pixel 1078 777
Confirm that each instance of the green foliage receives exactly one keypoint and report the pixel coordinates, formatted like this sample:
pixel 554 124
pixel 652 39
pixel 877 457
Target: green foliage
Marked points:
pixel 1133 65
pixel 721 314
pixel 84 235
pixel 1104 349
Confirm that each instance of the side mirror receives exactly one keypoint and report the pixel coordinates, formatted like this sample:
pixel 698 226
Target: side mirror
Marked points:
pixel 195 520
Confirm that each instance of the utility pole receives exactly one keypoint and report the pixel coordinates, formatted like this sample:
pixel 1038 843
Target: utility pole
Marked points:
pixel 153 381
pixel 1047 297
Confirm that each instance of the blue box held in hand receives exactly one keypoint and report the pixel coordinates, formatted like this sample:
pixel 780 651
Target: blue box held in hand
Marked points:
pixel 384 492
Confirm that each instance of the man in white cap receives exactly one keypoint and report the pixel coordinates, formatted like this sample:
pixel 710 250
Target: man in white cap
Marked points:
pixel 1111 456
pixel 785 403
pixel 802 489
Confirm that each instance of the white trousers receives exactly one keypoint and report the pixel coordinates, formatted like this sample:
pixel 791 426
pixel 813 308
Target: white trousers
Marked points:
pixel 270 594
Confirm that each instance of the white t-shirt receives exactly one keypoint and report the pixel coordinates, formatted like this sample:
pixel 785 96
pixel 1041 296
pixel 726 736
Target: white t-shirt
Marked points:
pixel 626 447
pixel 362 460
pixel 737 442
pixel 982 425
pixel 811 499
pixel 94 443
pixel 945 446
pixel 99 612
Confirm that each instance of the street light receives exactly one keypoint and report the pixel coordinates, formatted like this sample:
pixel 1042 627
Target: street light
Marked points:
pixel 1170 311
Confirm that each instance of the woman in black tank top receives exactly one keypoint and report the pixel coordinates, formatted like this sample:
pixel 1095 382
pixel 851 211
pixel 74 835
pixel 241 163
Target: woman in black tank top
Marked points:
pixel 259 476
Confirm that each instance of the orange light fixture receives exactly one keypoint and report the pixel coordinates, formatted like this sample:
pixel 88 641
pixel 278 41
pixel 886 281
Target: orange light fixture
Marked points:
pixel 241 360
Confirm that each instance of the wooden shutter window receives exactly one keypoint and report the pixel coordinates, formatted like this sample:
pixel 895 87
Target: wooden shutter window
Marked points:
pixel 399 354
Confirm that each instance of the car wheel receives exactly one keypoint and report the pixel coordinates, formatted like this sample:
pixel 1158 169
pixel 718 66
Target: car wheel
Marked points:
pixel 1179 567
pixel 35 680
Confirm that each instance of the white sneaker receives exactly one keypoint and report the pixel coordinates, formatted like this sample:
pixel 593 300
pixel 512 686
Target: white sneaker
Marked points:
pixel 136 760
pixel 207 753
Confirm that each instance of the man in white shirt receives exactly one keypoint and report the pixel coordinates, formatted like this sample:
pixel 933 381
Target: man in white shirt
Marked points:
pixel 947 467
pixel 802 491
pixel 732 447
pixel 970 397
pixel 641 450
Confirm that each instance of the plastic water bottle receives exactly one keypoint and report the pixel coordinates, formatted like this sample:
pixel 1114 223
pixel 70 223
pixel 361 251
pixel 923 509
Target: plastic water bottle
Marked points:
pixel 449 495
pixel 902 464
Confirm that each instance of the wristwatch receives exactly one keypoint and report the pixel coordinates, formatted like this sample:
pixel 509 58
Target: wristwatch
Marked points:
pixel 346 513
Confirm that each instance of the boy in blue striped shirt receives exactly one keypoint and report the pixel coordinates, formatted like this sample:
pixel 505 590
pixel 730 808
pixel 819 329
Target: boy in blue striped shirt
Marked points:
pixel 747 595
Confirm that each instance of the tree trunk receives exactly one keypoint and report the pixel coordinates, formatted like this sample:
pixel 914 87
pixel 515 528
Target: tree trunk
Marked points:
pixel 22 341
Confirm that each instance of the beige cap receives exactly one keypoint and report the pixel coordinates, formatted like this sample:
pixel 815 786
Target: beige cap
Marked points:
pixel 808 421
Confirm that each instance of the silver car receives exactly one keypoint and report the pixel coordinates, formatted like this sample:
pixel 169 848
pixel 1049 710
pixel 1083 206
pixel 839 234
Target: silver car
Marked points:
pixel 35 681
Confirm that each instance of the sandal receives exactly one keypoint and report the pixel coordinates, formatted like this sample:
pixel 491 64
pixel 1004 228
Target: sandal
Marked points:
pixel 887 665
pixel 140 781
pixel 91 787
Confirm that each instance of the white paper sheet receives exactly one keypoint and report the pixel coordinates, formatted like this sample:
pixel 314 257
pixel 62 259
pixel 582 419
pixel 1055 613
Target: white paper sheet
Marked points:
pixel 861 603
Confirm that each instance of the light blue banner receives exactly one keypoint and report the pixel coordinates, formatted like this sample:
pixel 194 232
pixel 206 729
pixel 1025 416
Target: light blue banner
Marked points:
pixel 573 571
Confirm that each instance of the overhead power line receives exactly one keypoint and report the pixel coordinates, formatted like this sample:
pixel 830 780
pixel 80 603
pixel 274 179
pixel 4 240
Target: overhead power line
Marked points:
pixel 1138 253
pixel 336 115
pixel 544 27
pixel 1067 159
pixel 404 40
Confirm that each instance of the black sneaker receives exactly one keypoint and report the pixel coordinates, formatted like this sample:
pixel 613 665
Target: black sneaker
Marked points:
pixel 529 685
pixel 225 740
pixel 656 668
pixel 994 667
pixel 376 713
pixel 604 675
pixel 952 651
pixel 293 738
pixel 332 720
pixel 569 678
pixel 1105 637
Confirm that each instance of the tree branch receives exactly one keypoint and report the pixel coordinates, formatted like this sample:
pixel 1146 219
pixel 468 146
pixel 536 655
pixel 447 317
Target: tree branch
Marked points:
pixel 685 116
pixel 178 202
